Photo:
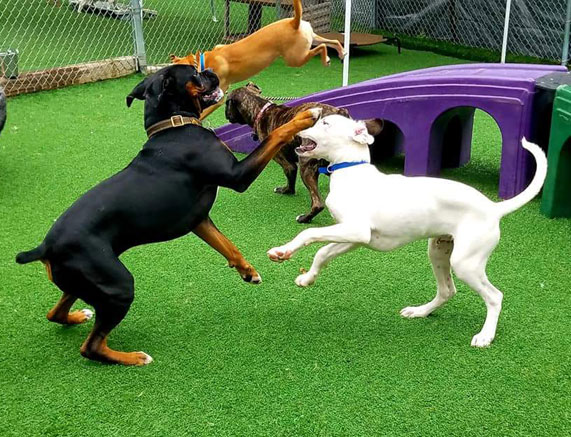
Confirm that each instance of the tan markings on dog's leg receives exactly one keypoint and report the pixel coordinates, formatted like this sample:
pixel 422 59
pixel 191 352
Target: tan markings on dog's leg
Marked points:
pixel 208 232
pixel 95 346
pixel 48 267
pixel 60 312
pixel 99 351
pixel 211 109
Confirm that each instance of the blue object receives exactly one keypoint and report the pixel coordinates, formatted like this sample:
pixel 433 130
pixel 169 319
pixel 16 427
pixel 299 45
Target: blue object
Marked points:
pixel 331 168
pixel 202 62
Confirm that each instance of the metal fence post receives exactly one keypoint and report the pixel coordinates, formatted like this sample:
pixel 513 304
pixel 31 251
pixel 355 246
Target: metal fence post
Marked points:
pixel 138 39
pixel 565 53
pixel 506 30
pixel 347 42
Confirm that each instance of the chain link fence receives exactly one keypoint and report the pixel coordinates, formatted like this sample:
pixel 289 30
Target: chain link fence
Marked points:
pixel 536 27
pixel 49 43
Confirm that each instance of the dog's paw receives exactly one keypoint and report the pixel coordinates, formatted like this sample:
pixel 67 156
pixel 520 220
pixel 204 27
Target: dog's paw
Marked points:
pixel 316 113
pixel 327 61
pixel 304 218
pixel 284 190
pixel 304 120
pixel 342 54
pixel 482 339
pixel 87 313
pixel 77 317
pixel 305 280
pixel 279 254
pixel 143 359
pixel 413 312
pixel 252 279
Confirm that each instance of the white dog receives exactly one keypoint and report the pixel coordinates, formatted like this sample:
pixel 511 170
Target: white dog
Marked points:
pixel 384 212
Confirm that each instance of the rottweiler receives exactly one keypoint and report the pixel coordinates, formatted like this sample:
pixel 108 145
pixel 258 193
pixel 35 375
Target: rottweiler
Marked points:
pixel 165 192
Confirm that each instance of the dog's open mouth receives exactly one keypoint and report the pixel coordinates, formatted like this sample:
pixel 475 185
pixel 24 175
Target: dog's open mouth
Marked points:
pixel 307 145
pixel 213 96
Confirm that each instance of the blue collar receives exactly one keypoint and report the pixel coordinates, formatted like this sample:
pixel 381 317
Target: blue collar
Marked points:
pixel 331 168
pixel 202 62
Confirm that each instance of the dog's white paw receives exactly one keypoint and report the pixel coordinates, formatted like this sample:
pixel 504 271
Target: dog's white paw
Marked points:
pixel 305 280
pixel 413 312
pixel 327 61
pixel 482 339
pixel 316 112
pixel 256 279
pixel 88 313
pixel 279 254
pixel 148 359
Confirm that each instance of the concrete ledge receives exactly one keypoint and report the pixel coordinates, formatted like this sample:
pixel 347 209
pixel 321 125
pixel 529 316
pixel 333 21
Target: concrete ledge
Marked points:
pixel 59 77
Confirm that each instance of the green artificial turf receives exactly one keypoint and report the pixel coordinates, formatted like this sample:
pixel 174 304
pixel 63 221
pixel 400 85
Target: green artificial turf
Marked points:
pixel 236 359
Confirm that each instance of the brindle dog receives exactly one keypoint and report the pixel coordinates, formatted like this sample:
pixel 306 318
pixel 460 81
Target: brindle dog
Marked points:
pixel 245 105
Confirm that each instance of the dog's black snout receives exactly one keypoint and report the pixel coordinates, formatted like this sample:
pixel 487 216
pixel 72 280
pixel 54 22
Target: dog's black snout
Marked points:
pixel 210 77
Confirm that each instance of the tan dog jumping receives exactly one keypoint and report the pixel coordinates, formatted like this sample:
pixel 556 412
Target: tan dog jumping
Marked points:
pixel 290 38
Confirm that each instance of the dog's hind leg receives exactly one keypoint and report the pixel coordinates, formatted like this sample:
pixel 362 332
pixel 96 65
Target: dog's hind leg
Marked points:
pixel 296 61
pixel 60 312
pixel 290 171
pixel 309 176
pixel 105 283
pixel 330 43
pixel 439 252
pixel 469 259
pixel 321 259
pixel 208 232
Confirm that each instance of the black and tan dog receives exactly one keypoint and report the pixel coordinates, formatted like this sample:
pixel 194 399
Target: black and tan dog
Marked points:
pixel 245 105
pixel 167 191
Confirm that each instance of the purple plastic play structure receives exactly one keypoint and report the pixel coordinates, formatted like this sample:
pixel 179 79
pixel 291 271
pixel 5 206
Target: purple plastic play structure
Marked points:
pixel 434 108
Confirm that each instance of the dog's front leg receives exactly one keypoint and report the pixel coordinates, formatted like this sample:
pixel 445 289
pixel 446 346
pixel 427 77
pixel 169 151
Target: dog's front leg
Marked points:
pixel 321 259
pixel 356 233
pixel 238 175
pixel 218 241
pixel 211 109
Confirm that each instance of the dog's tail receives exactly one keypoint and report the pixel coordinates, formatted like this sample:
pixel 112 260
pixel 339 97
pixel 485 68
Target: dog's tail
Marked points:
pixel 32 255
pixel 298 12
pixel 534 187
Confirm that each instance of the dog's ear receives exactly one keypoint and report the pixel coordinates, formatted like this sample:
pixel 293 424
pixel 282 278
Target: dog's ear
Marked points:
pixel 168 84
pixel 137 93
pixel 374 126
pixel 252 87
pixel 360 134
pixel 188 59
